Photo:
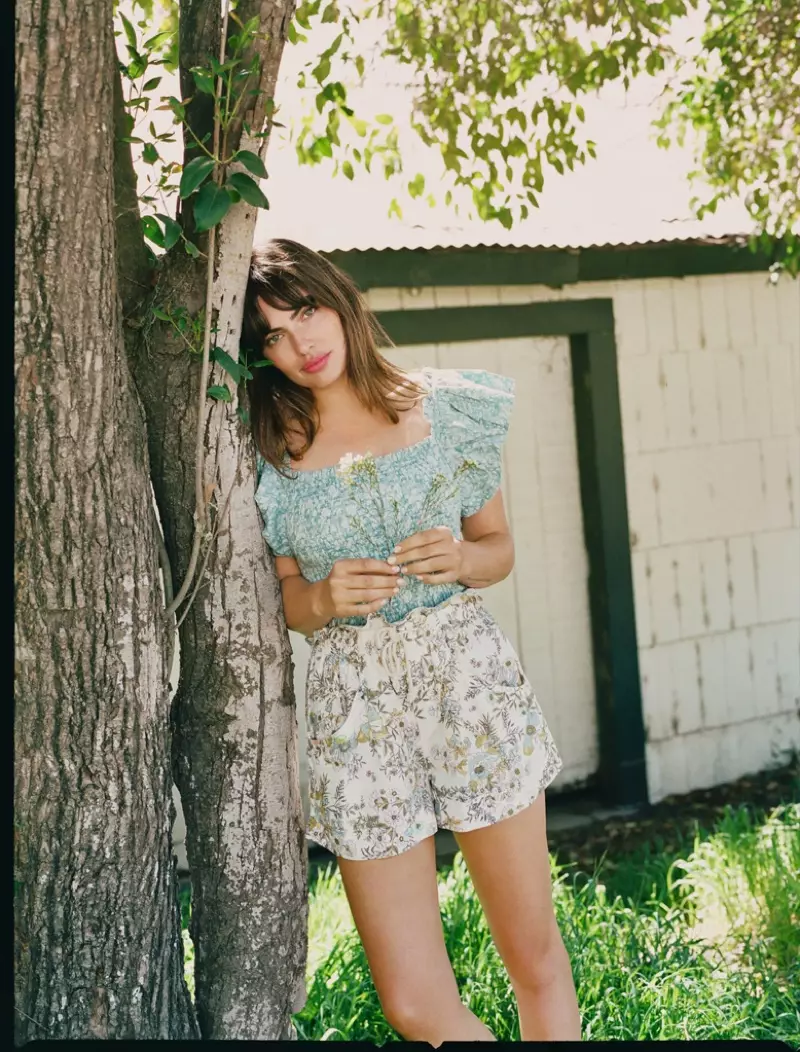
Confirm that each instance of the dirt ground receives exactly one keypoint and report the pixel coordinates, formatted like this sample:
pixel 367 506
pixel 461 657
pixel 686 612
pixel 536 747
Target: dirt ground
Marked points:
pixel 671 821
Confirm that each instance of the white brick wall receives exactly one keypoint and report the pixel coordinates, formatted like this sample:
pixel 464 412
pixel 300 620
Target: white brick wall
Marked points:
pixel 711 419
pixel 709 375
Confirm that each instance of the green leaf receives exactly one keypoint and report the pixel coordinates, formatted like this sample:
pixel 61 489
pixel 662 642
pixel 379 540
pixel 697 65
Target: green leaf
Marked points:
pixel 322 70
pixel 219 393
pixel 176 106
pixel 203 80
pixel 149 85
pixel 395 209
pixel 360 126
pixel 243 415
pixel 136 67
pixel 230 365
pixel 360 65
pixel 191 248
pixel 330 14
pixel 347 170
pixel 248 188
pixel 130 32
pixel 252 163
pixel 160 314
pixel 322 146
pixel 172 230
pixel 152 231
pixel 149 154
pixel 195 172
pixel 210 207
pixel 384 118
pixel 156 41
pixel 416 186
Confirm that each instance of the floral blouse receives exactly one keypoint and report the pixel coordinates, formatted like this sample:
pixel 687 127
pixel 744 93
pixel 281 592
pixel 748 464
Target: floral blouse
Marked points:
pixel 364 505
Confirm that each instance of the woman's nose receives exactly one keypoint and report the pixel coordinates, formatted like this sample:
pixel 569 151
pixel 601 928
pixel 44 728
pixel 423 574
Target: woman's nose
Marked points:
pixel 305 344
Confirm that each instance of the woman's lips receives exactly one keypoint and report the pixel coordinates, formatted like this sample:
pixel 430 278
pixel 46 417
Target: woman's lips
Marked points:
pixel 316 364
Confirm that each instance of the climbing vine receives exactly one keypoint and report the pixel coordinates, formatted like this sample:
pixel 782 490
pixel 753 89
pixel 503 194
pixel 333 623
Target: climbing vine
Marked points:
pixel 215 179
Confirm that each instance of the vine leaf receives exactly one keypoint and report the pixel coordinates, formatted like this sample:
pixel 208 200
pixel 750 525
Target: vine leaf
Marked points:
pixel 152 231
pixel 195 173
pixel 203 80
pixel 130 32
pixel 211 205
pixel 237 370
pixel 252 163
pixel 172 230
pixel 248 189
pixel 220 393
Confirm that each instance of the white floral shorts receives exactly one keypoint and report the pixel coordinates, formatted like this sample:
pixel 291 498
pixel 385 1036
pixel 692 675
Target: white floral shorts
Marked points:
pixel 423 723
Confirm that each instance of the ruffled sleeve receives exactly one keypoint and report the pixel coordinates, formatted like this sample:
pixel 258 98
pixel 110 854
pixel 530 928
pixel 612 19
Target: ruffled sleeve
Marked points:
pixel 269 497
pixel 472 411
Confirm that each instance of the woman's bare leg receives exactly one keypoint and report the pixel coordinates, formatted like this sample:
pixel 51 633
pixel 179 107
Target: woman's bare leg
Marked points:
pixel 395 905
pixel 510 870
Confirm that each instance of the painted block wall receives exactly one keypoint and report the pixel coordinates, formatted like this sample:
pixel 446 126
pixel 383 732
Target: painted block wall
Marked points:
pixel 709 374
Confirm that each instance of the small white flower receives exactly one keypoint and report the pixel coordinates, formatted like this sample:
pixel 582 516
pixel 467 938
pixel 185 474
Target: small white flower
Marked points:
pixel 347 464
pixel 350 464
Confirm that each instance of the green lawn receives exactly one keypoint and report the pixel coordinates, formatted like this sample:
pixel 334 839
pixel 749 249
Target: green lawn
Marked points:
pixel 699 943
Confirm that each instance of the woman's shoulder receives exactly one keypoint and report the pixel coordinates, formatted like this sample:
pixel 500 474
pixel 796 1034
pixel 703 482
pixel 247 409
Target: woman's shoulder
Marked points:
pixel 268 477
pixel 469 380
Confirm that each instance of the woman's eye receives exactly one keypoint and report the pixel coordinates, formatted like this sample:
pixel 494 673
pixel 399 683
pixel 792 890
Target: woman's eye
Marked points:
pixel 309 311
pixel 272 340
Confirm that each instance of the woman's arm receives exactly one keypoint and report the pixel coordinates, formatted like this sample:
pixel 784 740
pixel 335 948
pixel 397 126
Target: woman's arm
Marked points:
pixel 483 557
pixel 353 588
pixel 488 547
pixel 305 605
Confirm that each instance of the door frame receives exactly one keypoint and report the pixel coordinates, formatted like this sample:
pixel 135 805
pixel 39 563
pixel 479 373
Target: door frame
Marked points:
pixel 589 326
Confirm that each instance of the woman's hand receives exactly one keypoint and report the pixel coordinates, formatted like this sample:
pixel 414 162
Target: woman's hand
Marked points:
pixel 434 556
pixel 357 587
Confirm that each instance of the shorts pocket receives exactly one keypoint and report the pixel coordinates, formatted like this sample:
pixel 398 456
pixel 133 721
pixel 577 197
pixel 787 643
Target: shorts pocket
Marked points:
pixel 333 690
pixel 511 676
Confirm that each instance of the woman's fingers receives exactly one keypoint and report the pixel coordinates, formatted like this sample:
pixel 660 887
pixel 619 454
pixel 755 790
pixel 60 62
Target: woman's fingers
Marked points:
pixel 446 577
pixel 441 563
pixel 359 582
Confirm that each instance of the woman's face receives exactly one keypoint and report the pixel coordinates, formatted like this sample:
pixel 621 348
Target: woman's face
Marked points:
pixel 307 345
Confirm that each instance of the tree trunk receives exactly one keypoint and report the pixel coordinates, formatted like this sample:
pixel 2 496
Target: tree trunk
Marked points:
pixel 235 723
pixel 97 930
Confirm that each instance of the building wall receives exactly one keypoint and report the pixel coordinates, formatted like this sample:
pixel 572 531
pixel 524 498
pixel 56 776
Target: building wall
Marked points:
pixel 709 374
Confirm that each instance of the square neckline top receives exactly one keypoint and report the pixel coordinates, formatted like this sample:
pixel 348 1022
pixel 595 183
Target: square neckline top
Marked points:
pixel 363 505
pixel 380 457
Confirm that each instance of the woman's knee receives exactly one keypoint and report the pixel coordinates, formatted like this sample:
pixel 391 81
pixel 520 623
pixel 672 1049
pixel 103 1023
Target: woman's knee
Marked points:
pixel 413 1013
pixel 537 961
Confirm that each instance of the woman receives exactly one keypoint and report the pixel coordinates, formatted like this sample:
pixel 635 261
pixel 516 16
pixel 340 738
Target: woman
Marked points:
pixel 380 493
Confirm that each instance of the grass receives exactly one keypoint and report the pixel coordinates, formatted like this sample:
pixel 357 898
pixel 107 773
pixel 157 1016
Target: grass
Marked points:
pixel 700 941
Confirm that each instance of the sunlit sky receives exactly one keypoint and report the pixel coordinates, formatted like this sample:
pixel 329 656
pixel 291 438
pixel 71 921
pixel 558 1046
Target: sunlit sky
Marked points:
pixel 633 192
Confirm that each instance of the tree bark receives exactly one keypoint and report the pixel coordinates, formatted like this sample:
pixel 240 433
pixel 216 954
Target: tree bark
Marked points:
pixel 97 930
pixel 235 723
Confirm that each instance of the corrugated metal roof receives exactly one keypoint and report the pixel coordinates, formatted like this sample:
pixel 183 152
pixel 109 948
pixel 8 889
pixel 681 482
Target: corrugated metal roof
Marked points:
pixel 739 239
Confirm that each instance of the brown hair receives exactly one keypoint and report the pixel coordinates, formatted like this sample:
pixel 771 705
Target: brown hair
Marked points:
pixel 290 276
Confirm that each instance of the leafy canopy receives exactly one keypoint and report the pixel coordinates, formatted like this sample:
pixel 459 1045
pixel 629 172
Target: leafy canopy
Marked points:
pixel 496 87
